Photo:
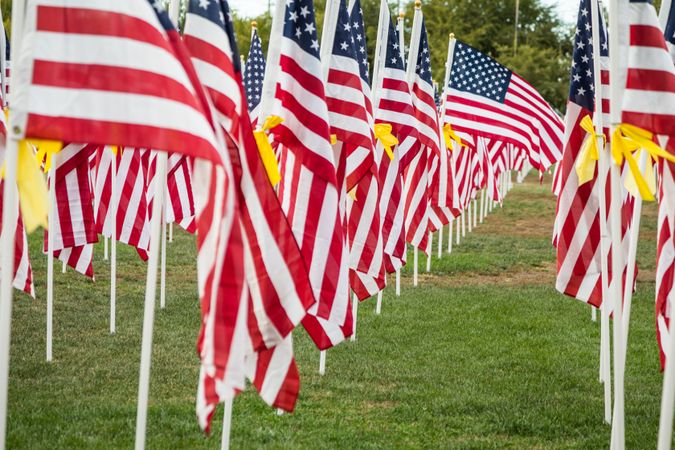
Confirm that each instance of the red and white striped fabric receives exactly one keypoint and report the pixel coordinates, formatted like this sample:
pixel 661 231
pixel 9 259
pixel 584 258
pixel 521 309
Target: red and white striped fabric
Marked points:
pixel 348 115
pixel 279 291
pixel 498 154
pixel 72 56
pixel 463 160
pixel 275 375
pixel 180 205
pixel 131 201
pixel 577 226
pixel 649 97
pixel 485 98
pixel 23 273
pixel 394 106
pixel 74 222
pixel 649 103
pixel 309 188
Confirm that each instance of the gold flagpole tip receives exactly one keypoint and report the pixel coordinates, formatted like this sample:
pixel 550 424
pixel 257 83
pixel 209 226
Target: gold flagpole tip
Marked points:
pixel 254 24
pixel 452 35
pixel 401 14
pixel 418 4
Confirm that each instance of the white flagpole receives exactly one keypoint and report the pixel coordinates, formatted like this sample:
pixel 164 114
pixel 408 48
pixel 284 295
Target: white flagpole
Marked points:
pixel 322 362
pixel 398 282
pixel 105 248
pixel 113 243
pixel 594 315
pixel 452 221
pixel 415 263
pixel 378 307
pixel 459 223
pixel 50 260
pixel 663 13
pixel 10 207
pixel 605 240
pixel 429 249
pixel 63 267
pixel 440 241
pixel 355 313
pixel 464 224
pixel 227 424
pixel 469 219
pixel 618 432
pixel 171 232
pixel 162 281
pixel 475 213
pixel 151 283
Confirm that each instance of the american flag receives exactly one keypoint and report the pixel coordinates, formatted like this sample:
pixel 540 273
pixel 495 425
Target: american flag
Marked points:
pixel 254 75
pixel 180 206
pixel 130 203
pixel 347 110
pixel 74 222
pixel 577 229
pixel 366 247
pixel 485 98
pixel 417 184
pixel 125 55
pixel 393 105
pixel 309 185
pixel 279 290
pixel 649 103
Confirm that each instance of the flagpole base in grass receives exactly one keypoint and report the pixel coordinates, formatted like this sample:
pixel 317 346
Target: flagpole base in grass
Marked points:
pixel 378 308
pixel 398 282
pixel 227 425
pixel 322 362
pixel 415 266
pixel 355 313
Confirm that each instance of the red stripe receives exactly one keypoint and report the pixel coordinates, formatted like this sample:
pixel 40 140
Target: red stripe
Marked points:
pixel 651 80
pixel 647 36
pixel 656 123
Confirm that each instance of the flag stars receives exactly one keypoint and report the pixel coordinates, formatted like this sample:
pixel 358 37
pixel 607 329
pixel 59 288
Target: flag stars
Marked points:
pixel 293 17
pixel 581 92
pixel 304 12
pixel 310 28
pixel 344 46
pixel 315 44
pixel 204 4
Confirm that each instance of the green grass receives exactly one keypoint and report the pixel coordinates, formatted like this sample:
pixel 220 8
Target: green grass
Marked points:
pixel 484 354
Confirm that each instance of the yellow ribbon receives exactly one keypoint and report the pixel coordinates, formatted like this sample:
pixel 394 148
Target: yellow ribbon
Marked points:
pixel 628 138
pixel 46 151
pixel 114 149
pixel 266 151
pixel 388 140
pixel 352 194
pixel 32 188
pixel 333 139
pixel 450 136
pixel 589 154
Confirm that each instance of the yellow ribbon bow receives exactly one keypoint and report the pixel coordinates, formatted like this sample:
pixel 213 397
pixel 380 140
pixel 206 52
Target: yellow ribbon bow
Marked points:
pixel 388 140
pixel 46 151
pixel 450 136
pixel 267 155
pixel 32 188
pixel 628 138
pixel 589 154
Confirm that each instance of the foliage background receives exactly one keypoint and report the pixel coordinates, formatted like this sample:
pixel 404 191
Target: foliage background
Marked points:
pixel 544 40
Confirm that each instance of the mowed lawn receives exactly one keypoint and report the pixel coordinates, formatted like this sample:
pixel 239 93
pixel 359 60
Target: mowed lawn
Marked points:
pixel 483 354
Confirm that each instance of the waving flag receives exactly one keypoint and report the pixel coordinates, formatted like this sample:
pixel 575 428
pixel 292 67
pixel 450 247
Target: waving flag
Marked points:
pixel 74 222
pixel 417 184
pixel 485 98
pixel 366 247
pixel 578 213
pixel 254 75
pixel 309 185
pixel 393 106
pixel 180 206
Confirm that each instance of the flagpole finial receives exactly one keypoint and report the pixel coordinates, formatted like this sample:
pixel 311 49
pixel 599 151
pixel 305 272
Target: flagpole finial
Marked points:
pixel 401 14
pixel 254 24
pixel 418 4
pixel 451 35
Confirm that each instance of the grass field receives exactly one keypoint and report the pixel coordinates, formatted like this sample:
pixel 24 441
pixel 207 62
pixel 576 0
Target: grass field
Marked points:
pixel 484 354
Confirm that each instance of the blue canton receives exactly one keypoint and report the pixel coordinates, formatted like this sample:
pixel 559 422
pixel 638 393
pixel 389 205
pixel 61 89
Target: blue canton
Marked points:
pixel 343 44
pixel 423 68
pixel 393 59
pixel 358 32
pixel 582 89
pixel 255 71
pixel 300 25
pixel 670 25
pixel 476 73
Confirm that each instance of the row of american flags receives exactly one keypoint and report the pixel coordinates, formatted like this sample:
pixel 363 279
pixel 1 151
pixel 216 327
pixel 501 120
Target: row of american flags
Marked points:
pixel 367 161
